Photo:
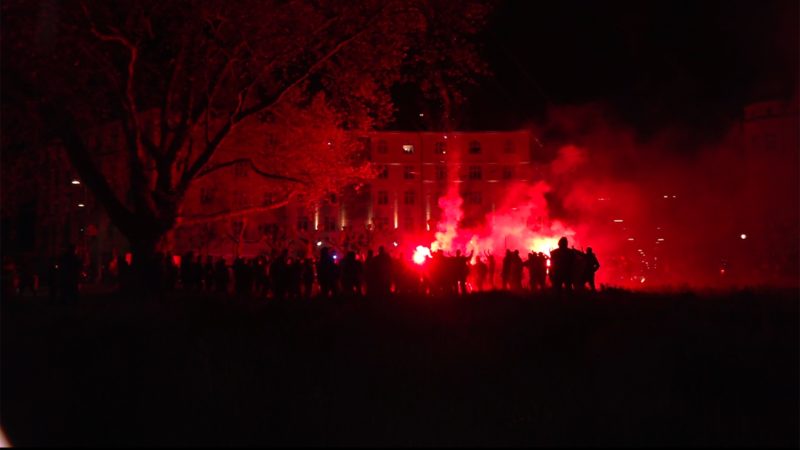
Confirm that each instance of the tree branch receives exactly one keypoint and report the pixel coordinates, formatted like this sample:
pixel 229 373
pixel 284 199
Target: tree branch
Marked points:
pixel 252 166
pixel 228 214
pixel 276 98
pixel 61 122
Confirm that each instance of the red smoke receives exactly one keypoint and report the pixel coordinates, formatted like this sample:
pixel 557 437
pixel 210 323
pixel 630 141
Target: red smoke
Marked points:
pixel 665 211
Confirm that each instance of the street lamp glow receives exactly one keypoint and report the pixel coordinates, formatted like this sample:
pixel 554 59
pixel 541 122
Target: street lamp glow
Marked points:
pixel 319 243
pixel 743 236
pixel 76 182
pixel 618 220
pixel 81 205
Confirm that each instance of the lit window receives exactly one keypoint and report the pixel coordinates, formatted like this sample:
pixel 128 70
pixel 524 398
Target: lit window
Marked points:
pixel 475 173
pixel 474 147
pixel 383 197
pixel 408 149
pixel 409 198
pixel 382 149
pixel 408 172
pixel 441 148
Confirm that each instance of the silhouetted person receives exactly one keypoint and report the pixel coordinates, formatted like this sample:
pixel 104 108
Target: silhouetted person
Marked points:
pixel 370 274
pixel 515 271
pixel 505 271
pixel 461 271
pixel 308 277
pixel 326 273
pixel 591 266
pixel 186 269
pixel 383 272
pixel 541 270
pixel 530 264
pixel 351 274
pixel 492 266
pixel 279 274
pixel 479 273
pixel 561 262
pixel 208 273
pixel 170 272
pixel 69 270
pixel 260 275
pixel 52 279
pixel 295 278
pixel 240 277
pixel 221 275
pixel 197 272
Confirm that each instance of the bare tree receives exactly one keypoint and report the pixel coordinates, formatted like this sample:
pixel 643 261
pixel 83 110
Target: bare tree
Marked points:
pixel 184 83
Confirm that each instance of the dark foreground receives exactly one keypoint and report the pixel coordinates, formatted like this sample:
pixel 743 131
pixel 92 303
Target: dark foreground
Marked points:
pixel 618 368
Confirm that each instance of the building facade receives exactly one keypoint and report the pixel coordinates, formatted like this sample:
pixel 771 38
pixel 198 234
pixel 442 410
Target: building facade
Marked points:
pixel 413 170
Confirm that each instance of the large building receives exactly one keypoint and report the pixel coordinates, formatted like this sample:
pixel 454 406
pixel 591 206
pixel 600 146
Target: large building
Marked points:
pixel 414 169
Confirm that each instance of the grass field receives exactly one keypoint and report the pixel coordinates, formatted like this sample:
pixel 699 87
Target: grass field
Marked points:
pixel 617 368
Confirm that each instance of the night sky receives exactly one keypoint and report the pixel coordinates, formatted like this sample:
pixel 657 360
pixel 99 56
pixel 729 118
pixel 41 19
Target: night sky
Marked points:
pixel 656 64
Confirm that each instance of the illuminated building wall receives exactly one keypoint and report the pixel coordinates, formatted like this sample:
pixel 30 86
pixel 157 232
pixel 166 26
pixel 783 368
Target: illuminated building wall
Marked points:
pixel 413 172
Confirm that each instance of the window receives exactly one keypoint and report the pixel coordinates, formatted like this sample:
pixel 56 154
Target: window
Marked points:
pixel 474 198
pixel 508 173
pixel 474 147
pixel 330 223
pixel 509 146
pixel 409 197
pixel 383 197
pixel 333 198
pixel 240 169
pixel 408 149
pixel 206 196
pixel 440 148
pixel 408 172
pixel 475 173
pixel 441 172
pixel 302 223
pixel 382 149
pixel 383 172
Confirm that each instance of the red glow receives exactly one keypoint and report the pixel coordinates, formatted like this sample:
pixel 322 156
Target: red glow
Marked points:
pixel 521 222
pixel 421 254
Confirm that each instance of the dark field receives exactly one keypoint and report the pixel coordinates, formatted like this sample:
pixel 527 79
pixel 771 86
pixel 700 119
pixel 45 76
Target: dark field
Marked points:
pixel 618 368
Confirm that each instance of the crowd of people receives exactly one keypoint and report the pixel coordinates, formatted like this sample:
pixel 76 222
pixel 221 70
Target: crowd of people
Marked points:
pixel 280 275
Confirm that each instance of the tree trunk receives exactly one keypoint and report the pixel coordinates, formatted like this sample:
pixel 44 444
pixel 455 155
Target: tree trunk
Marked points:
pixel 144 269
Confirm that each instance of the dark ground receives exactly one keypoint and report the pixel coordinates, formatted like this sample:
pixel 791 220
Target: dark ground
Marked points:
pixel 616 369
